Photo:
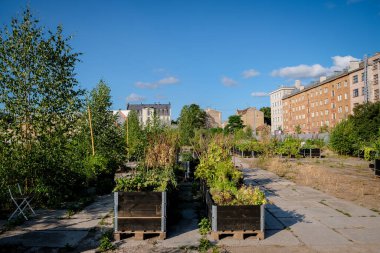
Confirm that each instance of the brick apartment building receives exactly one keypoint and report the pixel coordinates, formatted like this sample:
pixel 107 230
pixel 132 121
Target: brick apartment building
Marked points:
pixel 332 99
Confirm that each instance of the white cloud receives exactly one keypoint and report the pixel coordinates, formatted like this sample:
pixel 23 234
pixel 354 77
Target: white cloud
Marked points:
pixel 226 81
pixel 259 94
pixel 133 97
pixel 144 85
pixel 165 81
pixel 250 73
pixel 314 71
pixel 169 80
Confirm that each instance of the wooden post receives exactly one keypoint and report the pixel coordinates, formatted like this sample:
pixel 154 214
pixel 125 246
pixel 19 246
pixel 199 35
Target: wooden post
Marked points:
pixel 92 134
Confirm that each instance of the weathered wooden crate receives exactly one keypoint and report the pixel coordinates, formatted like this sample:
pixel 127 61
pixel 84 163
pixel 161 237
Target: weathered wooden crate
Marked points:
pixel 139 213
pixel 377 167
pixel 239 221
pixel 310 152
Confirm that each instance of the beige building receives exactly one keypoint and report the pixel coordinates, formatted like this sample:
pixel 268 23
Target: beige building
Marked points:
pixel 322 104
pixel 365 84
pixel 277 107
pixel 251 117
pixel 214 118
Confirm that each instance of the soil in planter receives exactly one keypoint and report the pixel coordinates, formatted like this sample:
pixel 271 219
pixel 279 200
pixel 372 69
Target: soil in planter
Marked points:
pixel 185 210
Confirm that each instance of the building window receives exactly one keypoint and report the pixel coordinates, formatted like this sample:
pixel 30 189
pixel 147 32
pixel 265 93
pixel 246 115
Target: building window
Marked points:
pixel 326 112
pixel 363 76
pixel 355 93
pixel 332 105
pixel 345 96
pixel 345 83
pixel 355 79
pixel 326 101
pixel 338 85
pixel 332 93
pixel 363 91
pixel 326 90
pixel 346 108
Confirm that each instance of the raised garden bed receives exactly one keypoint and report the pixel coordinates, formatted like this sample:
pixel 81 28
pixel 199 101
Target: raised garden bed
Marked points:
pixel 140 213
pixel 240 221
pixel 310 152
pixel 377 167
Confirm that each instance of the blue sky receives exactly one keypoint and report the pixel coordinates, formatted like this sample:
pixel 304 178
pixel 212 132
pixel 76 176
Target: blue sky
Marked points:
pixel 220 54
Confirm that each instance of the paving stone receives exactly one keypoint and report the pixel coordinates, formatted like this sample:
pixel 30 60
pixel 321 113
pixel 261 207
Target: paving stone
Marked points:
pixel 271 223
pixel 315 233
pixel 350 208
pixel 280 238
pixel 46 238
pixel 361 235
pixel 351 222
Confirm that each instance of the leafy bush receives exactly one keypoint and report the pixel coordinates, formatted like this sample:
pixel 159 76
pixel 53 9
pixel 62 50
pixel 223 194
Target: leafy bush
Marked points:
pixel 342 138
pixel 204 226
pixel 106 242
pixel 224 180
pixel 314 143
pixel 290 146
pixel 147 180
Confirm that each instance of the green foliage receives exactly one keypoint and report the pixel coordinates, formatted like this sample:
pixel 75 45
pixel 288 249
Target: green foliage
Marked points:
pixel 360 130
pixel 40 100
pixel 135 137
pixel 187 157
pixel 314 143
pixel 204 226
pixel 224 180
pixel 298 129
pixel 290 146
pixel 106 242
pixel 192 117
pixel 157 180
pixel 342 137
pixel 204 245
pixel 95 165
pixel 108 137
pixel 234 124
pixel 267 114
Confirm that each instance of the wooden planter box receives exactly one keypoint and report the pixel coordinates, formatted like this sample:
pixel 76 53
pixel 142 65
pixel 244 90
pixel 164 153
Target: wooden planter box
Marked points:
pixel 140 213
pixel 239 221
pixel 310 152
pixel 377 167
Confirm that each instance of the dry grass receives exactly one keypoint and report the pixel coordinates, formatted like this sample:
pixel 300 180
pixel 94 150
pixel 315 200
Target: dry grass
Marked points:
pixel 345 178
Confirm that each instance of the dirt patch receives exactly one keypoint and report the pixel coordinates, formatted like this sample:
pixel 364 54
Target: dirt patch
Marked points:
pixel 343 177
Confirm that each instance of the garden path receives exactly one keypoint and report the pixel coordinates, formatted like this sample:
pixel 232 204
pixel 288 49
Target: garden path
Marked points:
pixel 303 219
pixel 53 229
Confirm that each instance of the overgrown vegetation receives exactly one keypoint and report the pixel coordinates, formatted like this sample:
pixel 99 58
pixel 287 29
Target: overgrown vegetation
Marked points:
pixel 45 138
pixel 360 132
pixel 223 179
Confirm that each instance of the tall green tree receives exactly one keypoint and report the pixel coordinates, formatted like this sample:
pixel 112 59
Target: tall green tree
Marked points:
pixel 108 137
pixel 267 114
pixel 192 117
pixel 234 124
pixel 135 137
pixel 41 99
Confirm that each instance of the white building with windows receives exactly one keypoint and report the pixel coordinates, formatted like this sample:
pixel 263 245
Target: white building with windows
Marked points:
pixel 146 112
pixel 277 107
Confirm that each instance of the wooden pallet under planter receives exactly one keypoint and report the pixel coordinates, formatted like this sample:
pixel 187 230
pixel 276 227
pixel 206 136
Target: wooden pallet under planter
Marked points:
pixel 140 214
pixel 238 221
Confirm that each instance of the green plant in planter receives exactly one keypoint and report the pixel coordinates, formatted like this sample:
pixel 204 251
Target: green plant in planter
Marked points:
pixel 204 226
pixel 147 180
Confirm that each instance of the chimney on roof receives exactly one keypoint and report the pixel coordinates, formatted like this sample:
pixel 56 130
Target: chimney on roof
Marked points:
pixel 297 84
pixel 322 78
pixel 353 65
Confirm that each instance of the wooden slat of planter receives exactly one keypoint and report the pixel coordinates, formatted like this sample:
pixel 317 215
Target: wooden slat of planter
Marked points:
pixel 135 204
pixel 238 234
pixel 238 224
pixel 140 235
pixel 134 224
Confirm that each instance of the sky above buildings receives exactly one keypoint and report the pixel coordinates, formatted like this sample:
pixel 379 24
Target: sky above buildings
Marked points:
pixel 226 55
